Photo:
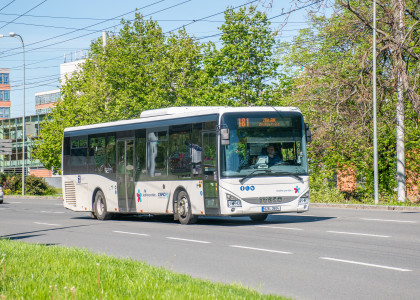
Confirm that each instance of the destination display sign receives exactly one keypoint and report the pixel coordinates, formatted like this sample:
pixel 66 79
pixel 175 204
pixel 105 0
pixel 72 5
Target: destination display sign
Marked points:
pixel 264 122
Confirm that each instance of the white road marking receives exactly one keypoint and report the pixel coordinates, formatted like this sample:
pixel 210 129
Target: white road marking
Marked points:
pixel 260 249
pixel 133 233
pixel 187 240
pixel 52 212
pixel 49 224
pixel 366 264
pixel 383 220
pixel 362 234
pixel 280 227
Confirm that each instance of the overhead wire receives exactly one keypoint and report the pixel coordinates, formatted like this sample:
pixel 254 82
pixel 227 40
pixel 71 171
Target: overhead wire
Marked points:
pixel 214 15
pixel 23 14
pixel 7 5
pixel 91 26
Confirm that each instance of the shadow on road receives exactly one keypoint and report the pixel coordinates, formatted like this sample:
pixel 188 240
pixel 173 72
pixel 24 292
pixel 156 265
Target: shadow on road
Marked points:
pixel 29 234
pixel 223 221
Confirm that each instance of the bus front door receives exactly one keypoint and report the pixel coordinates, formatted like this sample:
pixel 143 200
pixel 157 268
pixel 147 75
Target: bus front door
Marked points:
pixel 125 175
pixel 209 161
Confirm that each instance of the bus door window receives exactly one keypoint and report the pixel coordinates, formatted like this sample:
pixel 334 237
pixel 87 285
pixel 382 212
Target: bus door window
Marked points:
pixel 211 199
pixel 196 149
pixel 125 175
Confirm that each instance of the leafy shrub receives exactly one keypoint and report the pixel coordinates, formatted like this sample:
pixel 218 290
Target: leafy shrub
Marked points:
pixel 12 184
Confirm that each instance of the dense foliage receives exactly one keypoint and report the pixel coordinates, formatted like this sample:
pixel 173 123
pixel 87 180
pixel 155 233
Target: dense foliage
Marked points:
pixel 327 73
pixel 12 184
pixel 331 67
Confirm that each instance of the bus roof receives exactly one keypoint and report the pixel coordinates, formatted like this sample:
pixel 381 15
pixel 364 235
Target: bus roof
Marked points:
pixel 161 114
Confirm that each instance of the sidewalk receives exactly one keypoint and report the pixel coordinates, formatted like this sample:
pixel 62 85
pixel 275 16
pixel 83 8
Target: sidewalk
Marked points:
pixel 366 206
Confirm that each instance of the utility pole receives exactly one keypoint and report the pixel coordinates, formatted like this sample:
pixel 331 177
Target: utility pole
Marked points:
pixel 375 137
pixel 399 17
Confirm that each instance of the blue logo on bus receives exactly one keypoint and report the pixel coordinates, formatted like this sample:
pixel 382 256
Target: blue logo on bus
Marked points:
pixel 247 188
pixel 139 195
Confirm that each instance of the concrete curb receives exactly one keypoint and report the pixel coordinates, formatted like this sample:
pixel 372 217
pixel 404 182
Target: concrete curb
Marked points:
pixel 32 197
pixel 365 206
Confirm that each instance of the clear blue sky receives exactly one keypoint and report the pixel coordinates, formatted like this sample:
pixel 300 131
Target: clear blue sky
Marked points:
pixel 52 28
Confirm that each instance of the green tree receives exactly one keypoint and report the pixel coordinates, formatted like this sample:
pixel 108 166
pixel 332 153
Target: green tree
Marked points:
pixel 140 68
pixel 244 68
pixel 331 65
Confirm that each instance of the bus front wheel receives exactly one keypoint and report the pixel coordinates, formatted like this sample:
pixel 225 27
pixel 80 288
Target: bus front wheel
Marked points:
pixel 100 207
pixel 183 209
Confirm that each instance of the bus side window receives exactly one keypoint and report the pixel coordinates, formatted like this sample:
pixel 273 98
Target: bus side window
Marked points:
pixel 110 154
pixel 140 154
pixel 66 157
pixel 97 162
pixel 180 151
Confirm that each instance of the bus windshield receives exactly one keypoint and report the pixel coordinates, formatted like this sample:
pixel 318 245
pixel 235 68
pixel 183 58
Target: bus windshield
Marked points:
pixel 264 143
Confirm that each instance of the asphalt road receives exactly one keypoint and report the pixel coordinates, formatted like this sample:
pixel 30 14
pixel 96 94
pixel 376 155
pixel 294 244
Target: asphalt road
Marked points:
pixel 325 253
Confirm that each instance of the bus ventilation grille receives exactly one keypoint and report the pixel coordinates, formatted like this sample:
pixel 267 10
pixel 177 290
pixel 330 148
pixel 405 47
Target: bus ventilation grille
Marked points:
pixel 70 193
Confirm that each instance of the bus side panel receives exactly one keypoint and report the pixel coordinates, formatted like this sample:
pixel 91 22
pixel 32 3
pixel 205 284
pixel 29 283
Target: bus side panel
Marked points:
pixel 78 191
pixel 108 187
pixel 156 197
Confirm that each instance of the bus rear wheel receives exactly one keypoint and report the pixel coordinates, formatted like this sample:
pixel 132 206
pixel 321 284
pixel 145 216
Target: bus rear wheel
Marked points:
pixel 183 209
pixel 259 217
pixel 100 207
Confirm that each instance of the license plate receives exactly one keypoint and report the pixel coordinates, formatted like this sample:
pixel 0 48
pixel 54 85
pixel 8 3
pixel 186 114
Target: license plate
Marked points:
pixel 271 208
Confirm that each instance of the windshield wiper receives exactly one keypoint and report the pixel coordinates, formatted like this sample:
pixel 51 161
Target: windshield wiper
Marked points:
pixel 289 174
pixel 252 173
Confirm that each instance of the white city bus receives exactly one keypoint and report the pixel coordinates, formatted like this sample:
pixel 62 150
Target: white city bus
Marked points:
pixel 190 162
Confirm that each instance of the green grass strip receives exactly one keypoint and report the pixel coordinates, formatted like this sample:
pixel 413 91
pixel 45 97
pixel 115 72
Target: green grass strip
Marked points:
pixel 28 271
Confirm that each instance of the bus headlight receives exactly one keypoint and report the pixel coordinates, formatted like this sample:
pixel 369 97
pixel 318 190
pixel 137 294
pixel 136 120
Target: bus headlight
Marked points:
pixel 232 201
pixel 304 199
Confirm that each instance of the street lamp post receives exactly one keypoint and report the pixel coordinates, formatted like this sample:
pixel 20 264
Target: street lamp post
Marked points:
pixel 12 34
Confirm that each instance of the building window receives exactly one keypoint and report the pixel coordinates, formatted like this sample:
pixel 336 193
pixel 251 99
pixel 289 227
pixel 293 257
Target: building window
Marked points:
pixel 4 95
pixel 4 78
pixel 4 112
pixel 47 98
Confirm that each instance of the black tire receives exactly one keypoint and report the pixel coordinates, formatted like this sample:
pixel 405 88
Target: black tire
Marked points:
pixel 183 209
pixel 1 201
pixel 99 207
pixel 259 217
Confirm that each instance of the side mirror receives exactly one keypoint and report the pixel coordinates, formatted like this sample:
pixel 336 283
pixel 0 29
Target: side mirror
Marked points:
pixel 224 136
pixel 308 133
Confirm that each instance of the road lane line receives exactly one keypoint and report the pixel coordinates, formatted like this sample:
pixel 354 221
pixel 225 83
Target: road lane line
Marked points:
pixel 188 240
pixel 49 224
pixel 132 233
pixel 383 220
pixel 280 227
pixel 365 264
pixel 52 212
pixel 260 249
pixel 362 234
